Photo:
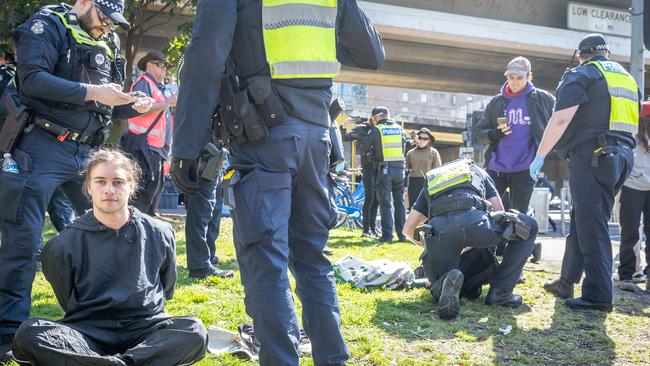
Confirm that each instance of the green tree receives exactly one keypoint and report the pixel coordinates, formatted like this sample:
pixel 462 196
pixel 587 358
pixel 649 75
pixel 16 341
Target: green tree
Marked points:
pixel 147 15
pixel 15 12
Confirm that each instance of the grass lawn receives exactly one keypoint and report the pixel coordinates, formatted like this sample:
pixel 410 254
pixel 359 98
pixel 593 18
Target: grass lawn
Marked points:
pixel 385 327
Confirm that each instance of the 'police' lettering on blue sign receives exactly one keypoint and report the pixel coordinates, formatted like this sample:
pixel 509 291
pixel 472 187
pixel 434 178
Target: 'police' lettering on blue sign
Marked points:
pixel 391 131
pixel 613 67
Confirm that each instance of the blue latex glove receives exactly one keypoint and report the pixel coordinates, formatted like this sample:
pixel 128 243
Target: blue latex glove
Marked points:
pixel 536 167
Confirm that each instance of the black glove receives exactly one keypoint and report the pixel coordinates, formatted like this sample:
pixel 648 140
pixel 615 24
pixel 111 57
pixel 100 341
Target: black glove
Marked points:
pixel 184 175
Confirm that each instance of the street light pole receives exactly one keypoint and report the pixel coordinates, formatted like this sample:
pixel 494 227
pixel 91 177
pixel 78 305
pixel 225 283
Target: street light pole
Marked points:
pixel 637 67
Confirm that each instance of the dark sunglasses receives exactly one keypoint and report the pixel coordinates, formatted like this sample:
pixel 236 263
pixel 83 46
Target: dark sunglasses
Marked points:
pixel 103 19
pixel 423 138
pixel 161 64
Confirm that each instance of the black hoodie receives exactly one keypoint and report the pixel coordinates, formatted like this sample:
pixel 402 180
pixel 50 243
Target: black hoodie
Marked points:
pixel 104 276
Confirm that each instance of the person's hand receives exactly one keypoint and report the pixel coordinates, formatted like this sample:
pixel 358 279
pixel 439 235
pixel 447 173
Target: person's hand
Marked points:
pixel 184 175
pixel 171 102
pixel 536 167
pixel 108 94
pixel 504 128
pixel 143 105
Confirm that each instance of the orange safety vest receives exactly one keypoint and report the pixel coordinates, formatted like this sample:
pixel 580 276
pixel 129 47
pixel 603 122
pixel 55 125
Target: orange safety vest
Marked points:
pixel 140 124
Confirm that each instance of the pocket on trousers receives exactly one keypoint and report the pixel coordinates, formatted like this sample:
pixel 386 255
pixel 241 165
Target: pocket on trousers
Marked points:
pixel 263 202
pixel 11 196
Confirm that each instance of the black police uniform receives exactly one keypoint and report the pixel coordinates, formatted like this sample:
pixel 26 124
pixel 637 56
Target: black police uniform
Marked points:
pixel 284 201
pixel 471 227
pixel 389 184
pixel 52 72
pixel 594 178
pixel 369 170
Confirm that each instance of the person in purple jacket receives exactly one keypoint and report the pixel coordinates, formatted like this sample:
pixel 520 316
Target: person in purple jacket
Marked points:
pixel 512 126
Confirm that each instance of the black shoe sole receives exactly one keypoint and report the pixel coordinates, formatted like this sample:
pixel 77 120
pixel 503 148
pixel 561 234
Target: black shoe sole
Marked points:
pixel 594 306
pixel 449 302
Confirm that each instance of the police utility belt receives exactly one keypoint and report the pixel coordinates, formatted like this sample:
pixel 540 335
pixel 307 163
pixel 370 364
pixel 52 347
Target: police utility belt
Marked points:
pixel 247 110
pixel 458 202
pixel 602 146
pixel 66 134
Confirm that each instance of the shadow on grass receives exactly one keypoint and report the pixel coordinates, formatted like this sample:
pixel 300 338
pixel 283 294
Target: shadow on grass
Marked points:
pixel 573 337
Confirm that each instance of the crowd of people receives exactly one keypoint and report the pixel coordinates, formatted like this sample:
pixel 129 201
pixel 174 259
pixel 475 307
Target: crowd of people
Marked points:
pixel 112 266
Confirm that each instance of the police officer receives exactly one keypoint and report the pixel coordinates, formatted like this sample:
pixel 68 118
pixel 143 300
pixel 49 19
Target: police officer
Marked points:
pixel 369 171
pixel 595 117
pixel 386 143
pixel 456 205
pixel 202 226
pixel 284 203
pixel 67 74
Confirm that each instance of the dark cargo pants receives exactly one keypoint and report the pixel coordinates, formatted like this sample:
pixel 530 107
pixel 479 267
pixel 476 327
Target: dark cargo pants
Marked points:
pixel 284 210
pixel 202 225
pixel 476 228
pixel 588 246
pixel 45 164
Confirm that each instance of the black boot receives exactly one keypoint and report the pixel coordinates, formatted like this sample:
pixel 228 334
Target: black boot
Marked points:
pixel 560 288
pixel 502 298
pixel 5 348
pixel 580 303
pixel 449 302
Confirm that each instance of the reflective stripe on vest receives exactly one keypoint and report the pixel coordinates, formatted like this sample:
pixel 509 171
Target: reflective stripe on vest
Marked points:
pixel 624 110
pixel 447 176
pixel 81 36
pixel 300 38
pixel 140 124
pixel 391 142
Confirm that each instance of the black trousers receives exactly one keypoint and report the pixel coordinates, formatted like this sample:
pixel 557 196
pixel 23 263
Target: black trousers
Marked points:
pixel 633 203
pixel 162 341
pixel 588 245
pixel 521 188
pixel 370 203
pixel 150 190
pixel 414 188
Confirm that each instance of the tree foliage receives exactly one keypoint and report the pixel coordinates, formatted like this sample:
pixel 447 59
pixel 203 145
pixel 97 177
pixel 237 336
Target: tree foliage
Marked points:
pixel 15 12
pixel 145 16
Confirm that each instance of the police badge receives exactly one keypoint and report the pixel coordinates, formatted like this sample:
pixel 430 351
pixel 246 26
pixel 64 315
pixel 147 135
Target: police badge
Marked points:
pixel 38 27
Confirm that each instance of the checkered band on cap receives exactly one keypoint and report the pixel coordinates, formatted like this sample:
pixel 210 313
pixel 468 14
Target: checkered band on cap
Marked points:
pixel 115 5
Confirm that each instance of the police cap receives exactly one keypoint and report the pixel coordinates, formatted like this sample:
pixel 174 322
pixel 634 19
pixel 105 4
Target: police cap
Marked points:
pixel 592 42
pixel 114 9
pixel 379 110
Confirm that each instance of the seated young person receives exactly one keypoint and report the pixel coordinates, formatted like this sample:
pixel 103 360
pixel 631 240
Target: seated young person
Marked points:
pixel 112 271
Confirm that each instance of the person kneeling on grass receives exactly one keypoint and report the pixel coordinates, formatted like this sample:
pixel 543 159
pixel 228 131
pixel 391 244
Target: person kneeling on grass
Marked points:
pixel 456 205
pixel 111 271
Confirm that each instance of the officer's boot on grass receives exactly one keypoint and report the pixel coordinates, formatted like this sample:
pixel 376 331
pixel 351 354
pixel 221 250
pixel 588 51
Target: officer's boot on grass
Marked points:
pixel 560 288
pixel 5 348
pixel 581 304
pixel 449 300
pixel 502 298
pixel 212 271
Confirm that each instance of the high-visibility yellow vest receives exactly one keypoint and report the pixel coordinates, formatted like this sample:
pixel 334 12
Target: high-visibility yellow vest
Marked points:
pixel 391 142
pixel 624 111
pixel 300 38
pixel 81 36
pixel 448 175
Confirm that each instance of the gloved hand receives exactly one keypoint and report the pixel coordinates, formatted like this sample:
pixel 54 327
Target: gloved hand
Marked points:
pixel 184 175
pixel 536 167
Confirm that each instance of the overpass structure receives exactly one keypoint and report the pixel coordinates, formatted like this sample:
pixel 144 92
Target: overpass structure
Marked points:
pixel 464 45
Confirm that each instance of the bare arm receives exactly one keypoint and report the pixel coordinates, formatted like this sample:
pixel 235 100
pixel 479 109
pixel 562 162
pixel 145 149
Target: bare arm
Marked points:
pixel 413 220
pixel 555 129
